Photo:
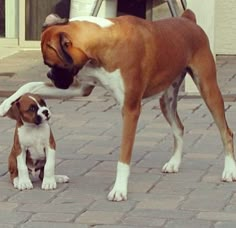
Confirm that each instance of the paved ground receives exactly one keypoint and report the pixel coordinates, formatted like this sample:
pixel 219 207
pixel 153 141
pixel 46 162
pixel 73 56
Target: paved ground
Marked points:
pixel 87 131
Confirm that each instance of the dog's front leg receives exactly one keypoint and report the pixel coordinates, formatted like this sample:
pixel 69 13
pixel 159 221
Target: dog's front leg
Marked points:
pixel 130 113
pixel 43 89
pixel 49 180
pixel 23 181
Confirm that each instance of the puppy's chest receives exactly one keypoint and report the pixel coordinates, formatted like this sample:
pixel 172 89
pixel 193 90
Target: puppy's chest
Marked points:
pixel 34 140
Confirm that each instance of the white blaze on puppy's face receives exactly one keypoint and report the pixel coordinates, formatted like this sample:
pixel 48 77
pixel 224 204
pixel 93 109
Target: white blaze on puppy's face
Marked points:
pixel 43 111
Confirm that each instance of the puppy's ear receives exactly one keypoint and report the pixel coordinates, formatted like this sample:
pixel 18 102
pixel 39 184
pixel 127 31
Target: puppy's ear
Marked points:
pixel 54 19
pixel 14 112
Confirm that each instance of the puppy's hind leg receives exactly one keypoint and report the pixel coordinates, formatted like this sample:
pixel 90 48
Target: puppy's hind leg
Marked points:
pixel 168 104
pixel 204 76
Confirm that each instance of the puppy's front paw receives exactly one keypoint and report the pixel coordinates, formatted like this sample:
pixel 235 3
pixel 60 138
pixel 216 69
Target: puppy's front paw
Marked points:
pixel 22 183
pixel 49 183
pixel 117 194
pixel 229 173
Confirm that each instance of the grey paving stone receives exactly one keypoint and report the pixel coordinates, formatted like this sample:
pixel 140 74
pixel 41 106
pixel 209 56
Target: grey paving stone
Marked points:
pixel 163 213
pixel 32 196
pixel 70 208
pixel 105 205
pixel 99 217
pixel 225 225
pixel 188 223
pixel 53 217
pixel 216 216
pixel 52 225
pixel 144 221
pixel 205 200
pixel 13 217
pixel 77 167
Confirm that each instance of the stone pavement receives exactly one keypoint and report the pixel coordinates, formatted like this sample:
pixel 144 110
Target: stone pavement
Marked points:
pixel 87 132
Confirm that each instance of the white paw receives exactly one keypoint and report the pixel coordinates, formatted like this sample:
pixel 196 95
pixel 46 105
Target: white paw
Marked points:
pixel 229 173
pixel 22 183
pixel 172 166
pixel 117 194
pixel 49 183
pixel 62 178
pixel 4 107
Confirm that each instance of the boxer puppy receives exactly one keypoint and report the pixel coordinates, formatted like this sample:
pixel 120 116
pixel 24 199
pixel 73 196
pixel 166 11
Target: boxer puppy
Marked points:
pixel 133 59
pixel 34 146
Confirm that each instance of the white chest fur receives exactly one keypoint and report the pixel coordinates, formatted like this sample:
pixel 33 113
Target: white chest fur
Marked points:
pixel 112 81
pixel 34 139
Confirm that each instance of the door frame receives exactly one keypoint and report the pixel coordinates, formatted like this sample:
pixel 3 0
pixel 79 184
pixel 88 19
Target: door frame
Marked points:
pixel 11 25
pixel 22 42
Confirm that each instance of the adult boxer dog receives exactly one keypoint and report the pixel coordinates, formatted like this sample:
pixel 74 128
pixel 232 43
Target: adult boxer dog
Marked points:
pixel 34 145
pixel 133 59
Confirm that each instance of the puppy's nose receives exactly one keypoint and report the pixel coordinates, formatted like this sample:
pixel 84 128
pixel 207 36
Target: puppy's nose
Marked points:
pixel 46 113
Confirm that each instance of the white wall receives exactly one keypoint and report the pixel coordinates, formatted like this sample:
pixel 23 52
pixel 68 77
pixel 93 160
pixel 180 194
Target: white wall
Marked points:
pixel 225 39
pixel 205 13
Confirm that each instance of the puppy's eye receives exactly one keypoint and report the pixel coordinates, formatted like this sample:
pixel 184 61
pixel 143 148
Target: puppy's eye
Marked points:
pixel 32 108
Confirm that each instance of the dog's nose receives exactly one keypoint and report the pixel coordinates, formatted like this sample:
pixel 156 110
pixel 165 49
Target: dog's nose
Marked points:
pixel 50 75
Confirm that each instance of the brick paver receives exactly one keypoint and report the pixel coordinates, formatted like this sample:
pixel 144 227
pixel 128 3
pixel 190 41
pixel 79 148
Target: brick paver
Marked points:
pixel 87 132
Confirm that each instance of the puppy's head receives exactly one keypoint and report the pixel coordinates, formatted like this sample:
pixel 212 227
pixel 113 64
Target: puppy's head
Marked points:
pixel 59 51
pixel 29 108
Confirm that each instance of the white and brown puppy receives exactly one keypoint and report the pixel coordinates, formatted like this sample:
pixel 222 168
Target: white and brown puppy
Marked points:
pixel 133 59
pixel 34 146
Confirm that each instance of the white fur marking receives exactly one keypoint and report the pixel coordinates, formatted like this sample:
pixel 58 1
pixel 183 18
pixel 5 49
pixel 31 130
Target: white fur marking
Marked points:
pixel 49 180
pixel 172 166
pixel 41 109
pixel 102 22
pixel 35 139
pixel 23 181
pixel 112 81
pixel 119 191
pixel 229 173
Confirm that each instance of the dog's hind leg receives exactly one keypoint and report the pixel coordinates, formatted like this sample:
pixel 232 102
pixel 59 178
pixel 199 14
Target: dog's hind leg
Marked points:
pixel 168 104
pixel 204 76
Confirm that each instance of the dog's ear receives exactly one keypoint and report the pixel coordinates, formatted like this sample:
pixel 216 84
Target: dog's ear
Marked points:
pixel 14 112
pixel 54 19
pixel 65 45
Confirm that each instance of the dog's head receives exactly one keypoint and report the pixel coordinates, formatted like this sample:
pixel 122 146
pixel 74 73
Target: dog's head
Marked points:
pixel 29 108
pixel 59 52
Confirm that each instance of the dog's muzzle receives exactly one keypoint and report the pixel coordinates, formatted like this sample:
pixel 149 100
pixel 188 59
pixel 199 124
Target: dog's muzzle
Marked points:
pixel 62 78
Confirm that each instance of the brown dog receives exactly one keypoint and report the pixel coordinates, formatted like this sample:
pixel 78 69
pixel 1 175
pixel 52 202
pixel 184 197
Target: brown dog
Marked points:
pixel 133 59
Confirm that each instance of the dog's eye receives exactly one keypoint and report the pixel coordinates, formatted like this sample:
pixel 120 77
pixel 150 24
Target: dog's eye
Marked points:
pixel 32 108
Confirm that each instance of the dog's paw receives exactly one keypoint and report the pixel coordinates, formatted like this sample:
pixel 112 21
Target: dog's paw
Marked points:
pixel 117 195
pixel 22 183
pixel 49 183
pixel 172 166
pixel 229 173
pixel 62 178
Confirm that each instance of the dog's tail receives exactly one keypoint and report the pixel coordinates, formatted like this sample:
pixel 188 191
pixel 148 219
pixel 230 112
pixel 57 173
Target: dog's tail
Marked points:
pixel 189 14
